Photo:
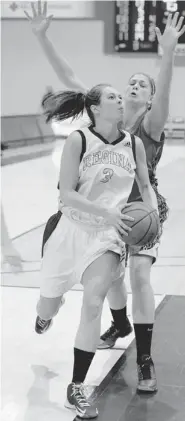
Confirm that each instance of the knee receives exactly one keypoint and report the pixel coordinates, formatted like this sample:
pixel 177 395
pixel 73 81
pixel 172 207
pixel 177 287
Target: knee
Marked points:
pixel 118 283
pixel 117 288
pixel 92 307
pixel 139 276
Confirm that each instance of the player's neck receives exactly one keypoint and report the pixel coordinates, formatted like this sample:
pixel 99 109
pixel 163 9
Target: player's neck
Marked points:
pixel 132 112
pixel 108 130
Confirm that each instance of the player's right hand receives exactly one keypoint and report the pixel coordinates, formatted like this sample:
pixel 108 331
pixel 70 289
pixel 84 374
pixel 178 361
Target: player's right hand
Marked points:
pixel 115 218
pixel 39 20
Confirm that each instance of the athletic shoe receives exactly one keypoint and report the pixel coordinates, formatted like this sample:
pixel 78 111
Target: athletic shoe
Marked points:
pixel 76 399
pixel 109 338
pixel 147 382
pixel 41 325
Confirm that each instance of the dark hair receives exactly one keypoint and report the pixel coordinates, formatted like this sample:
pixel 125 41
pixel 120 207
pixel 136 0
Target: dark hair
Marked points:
pixel 150 79
pixel 45 98
pixel 72 104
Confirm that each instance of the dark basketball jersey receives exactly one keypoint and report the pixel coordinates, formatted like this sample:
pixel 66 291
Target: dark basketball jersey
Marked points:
pixel 153 151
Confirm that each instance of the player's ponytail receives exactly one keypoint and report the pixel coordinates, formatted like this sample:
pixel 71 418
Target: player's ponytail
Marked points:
pixel 67 104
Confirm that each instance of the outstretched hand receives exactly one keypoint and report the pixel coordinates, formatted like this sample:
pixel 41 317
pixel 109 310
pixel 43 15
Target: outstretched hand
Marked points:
pixel 173 31
pixel 39 20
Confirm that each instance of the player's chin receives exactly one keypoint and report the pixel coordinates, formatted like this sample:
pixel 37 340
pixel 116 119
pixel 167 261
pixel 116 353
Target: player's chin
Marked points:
pixel 133 98
pixel 120 118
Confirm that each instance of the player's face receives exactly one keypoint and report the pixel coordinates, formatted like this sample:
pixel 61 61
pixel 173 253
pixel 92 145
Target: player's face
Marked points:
pixel 111 105
pixel 138 90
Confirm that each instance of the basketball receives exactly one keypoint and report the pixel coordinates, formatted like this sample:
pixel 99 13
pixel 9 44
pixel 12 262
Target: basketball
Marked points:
pixel 145 226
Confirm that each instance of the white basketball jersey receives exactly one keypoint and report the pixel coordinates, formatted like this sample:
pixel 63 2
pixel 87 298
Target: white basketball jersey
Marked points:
pixel 106 175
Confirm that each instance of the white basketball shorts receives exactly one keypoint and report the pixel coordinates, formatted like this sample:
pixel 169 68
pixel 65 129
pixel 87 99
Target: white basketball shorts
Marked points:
pixel 70 250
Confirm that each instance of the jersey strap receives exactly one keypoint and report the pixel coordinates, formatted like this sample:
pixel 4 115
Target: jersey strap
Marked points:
pixel 133 139
pixel 83 144
pixel 83 149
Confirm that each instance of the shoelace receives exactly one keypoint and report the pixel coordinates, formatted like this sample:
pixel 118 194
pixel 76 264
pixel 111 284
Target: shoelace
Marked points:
pixel 41 322
pixel 78 392
pixel 110 332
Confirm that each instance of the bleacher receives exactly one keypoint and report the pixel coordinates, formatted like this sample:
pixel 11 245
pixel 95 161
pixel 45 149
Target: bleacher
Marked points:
pixel 175 128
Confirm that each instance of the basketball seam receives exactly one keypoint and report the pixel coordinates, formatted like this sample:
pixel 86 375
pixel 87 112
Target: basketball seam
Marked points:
pixel 145 232
pixel 147 214
pixel 157 219
pixel 157 223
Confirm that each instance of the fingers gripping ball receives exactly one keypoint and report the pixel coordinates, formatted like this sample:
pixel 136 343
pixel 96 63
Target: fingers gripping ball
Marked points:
pixel 146 224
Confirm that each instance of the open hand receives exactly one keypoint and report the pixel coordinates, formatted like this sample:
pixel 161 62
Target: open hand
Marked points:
pixel 173 30
pixel 39 20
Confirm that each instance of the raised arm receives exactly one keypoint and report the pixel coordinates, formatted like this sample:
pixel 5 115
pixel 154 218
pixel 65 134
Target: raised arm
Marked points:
pixel 142 177
pixel 155 119
pixel 40 22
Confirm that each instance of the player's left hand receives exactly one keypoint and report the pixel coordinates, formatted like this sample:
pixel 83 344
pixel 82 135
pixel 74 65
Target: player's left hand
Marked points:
pixel 173 31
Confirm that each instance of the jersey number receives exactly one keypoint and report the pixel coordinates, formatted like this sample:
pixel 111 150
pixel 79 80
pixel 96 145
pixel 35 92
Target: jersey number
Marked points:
pixel 108 173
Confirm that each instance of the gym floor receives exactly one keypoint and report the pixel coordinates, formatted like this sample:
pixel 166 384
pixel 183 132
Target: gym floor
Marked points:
pixel 36 370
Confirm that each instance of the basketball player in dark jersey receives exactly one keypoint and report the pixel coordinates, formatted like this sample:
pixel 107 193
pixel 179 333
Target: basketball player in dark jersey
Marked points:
pixel 145 113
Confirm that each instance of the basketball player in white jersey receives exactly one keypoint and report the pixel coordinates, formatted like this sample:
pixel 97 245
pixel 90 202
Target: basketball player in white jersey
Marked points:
pixel 146 110
pixel 86 244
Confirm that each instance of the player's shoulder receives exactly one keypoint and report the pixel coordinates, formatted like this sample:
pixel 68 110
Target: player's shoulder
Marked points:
pixel 74 136
pixel 132 141
pixel 127 139
pixel 140 150
pixel 138 141
pixel 74 141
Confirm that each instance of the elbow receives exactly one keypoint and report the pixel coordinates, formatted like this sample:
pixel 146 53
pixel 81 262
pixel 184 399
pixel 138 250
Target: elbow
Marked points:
pixel 65 196
pixel 145 188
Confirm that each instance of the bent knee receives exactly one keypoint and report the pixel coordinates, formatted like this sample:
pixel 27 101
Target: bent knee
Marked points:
pixel 139 274
pixel 92 306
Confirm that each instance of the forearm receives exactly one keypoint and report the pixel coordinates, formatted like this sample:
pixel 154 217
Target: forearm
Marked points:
pixel 75 200
pixel 148 195
pixel 59 64
pixel 155 119
pixel 164 78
